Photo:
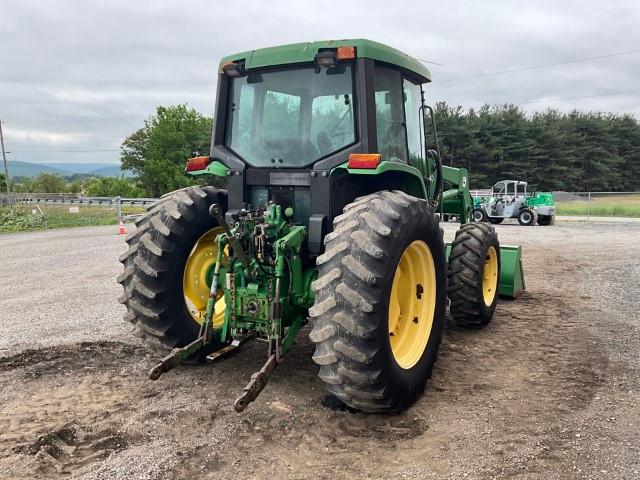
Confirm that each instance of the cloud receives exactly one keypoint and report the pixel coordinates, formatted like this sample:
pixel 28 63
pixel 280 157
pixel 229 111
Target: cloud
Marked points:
pixel 83 75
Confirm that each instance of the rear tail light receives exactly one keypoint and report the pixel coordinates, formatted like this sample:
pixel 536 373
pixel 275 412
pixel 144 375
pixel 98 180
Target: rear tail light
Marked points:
pixel 197 163
pixel 364 160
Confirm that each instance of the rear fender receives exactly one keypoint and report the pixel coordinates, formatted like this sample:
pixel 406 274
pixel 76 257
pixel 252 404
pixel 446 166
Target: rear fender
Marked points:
pixel 387 176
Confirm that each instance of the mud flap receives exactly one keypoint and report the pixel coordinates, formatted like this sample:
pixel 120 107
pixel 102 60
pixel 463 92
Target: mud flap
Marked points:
pixel 511 283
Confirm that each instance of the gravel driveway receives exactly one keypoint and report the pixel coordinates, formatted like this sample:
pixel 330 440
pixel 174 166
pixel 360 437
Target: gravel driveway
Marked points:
pixel 549 390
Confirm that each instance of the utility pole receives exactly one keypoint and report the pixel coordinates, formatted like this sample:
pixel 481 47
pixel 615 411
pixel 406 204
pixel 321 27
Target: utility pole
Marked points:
pixel 4 159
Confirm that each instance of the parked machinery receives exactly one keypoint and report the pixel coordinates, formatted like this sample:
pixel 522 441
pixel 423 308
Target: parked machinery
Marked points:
pixel 510 199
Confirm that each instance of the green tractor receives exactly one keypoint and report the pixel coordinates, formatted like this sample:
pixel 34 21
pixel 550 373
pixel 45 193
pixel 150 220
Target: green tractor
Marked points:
pixel 329 215
pixel 510 199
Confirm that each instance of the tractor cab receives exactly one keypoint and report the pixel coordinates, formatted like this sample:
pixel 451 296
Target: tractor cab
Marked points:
pixel 318 124
pixel 506 197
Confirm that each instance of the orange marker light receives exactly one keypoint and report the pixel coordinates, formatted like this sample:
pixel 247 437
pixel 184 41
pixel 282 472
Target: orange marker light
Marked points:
pixel 364 160
pixel 346 53
pixel 197 163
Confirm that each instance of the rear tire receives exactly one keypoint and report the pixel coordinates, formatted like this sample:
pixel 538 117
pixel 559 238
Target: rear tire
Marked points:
pixel 353 308
pixel 527 217
pixel 473 275
pixel 546 220
pixel 154 266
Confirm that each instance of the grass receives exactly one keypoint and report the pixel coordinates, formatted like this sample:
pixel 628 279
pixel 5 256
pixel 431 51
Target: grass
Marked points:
pixel 622 205
pixel 22 217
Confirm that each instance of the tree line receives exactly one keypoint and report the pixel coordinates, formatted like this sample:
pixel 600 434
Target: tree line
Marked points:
pixel 81 184
pixel 576 151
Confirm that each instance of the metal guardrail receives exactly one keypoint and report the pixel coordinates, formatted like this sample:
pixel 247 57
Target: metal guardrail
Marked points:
pixel 90 205
pixel 70 199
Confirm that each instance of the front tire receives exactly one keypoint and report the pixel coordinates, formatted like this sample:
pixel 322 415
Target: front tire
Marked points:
pixel 527 217
pixel 473 273
pixel 380 302
pixel 158 291
pixel 479 215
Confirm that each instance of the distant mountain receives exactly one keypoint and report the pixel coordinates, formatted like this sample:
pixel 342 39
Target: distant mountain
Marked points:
pixel 82 167
pixel 111 171
pixel 28 169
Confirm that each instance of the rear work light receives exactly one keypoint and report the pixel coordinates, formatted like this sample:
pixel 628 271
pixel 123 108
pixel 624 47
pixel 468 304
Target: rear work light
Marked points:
pixel 328 57
pixel 233 69
pixel 197 163
pixel 364 160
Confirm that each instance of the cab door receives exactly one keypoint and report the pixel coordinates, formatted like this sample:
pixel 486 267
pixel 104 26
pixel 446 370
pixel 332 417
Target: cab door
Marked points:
pixel 510 199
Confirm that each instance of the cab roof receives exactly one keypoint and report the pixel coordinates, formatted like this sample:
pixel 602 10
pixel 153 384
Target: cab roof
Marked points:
pixel 305 52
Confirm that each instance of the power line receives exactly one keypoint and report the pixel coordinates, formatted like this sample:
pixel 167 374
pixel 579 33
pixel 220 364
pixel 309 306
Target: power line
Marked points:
pixel 65 151
pixel 48 122
pixel 630 92
pixel 429 62
pixel 544 65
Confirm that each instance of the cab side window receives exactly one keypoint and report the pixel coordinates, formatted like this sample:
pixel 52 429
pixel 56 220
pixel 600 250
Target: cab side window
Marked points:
pixel 413 113
pixel 390 124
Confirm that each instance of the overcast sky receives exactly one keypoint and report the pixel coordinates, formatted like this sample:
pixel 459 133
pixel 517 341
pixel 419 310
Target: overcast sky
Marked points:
pixel 82 75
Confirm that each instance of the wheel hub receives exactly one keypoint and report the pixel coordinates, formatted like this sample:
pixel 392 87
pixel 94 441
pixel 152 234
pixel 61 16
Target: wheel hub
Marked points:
pixel 490 276
pixel 196 281
pixel 412 304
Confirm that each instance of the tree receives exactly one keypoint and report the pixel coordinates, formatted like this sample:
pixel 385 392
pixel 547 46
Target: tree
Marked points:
pixel 113 187
pixel 49 183
pixel 157 152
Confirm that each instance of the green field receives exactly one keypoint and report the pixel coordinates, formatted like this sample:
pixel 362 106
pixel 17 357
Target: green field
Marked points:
pixel 623 205
pixel 22 217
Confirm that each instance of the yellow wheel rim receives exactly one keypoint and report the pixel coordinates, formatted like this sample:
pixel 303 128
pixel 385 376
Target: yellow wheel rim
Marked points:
pixel 200 263
pixel 490 276
pixel 412 304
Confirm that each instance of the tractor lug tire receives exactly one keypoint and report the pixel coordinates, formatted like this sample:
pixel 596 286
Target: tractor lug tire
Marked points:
pixel 466 267
pixel 154 263
pixel 352 297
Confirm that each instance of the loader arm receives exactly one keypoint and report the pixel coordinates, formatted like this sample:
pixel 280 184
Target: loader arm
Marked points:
pixel 456 200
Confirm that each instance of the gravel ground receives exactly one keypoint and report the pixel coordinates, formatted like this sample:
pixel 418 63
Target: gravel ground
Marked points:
pixel 597 220
pixel 550 389
pixel 59 286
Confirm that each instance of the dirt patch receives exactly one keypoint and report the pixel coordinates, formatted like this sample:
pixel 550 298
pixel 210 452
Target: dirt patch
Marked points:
pixel 73 446
pixel 57 414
